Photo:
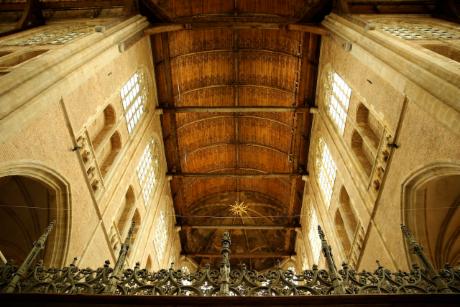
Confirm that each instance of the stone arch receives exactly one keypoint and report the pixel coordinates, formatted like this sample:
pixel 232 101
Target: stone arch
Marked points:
pixel 60 209
pixel 110 152
pixel 357 145
pixel 137 226
pixel 369 125
pixel 342 233
pixel 127 208
pixel 346 207
pixel 431 210
pixel 102 125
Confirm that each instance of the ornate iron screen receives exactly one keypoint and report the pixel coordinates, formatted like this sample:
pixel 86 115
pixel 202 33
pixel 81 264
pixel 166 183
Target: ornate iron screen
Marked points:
pixel 224 281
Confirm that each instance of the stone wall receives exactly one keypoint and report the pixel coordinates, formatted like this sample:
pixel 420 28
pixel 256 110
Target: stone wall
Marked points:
pixel 410 105
pixel 51 105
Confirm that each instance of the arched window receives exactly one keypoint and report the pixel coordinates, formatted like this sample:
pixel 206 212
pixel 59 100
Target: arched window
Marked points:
pixel 134 97
pixel 147 170
pixel 315 242
pixel 161 235
pixel 339 99
pixel 326 171
pixel 128 206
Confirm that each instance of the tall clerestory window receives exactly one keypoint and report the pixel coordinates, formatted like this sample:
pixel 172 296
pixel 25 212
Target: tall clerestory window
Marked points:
pixel 147 170
pixel 339 100
pixel 326 171
pixel 315 242
pixel 133 96
pixel 161 235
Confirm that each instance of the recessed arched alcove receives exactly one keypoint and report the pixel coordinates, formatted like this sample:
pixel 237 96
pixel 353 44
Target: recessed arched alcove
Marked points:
pixel 110 152
pixel 368 125
pixel 100 128
pixel 31 197
pixel 431 201
pixel 357 145
pixel 127 207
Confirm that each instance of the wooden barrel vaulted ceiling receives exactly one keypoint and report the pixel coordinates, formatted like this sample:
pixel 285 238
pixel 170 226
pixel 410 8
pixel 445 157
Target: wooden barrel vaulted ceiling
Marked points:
pixel 236 81
pixel 235 86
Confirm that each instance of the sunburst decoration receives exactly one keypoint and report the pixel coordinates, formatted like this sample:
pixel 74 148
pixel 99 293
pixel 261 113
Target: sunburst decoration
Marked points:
pixel 239 208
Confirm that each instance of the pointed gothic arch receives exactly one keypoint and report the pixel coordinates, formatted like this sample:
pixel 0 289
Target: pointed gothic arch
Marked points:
pixel 58 209
pixel 431 209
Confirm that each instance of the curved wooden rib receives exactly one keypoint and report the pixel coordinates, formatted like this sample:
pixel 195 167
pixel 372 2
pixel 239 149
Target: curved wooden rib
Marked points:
pixel 275 88
pixel 287 126
pixel 209 146
pixel 201 52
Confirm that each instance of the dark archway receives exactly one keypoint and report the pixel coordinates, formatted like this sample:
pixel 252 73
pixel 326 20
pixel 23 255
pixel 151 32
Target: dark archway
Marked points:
pixel 431 202
pixel 31 196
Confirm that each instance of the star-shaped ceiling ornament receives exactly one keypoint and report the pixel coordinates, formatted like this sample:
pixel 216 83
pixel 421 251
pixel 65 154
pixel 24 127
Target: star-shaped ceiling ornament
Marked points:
pixel 239 208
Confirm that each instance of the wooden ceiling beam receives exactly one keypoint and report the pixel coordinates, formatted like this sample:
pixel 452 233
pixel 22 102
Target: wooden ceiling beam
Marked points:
pixel 242 255
pixel 237 25
pixel 235 175
pixel 240 227
pixel 242 109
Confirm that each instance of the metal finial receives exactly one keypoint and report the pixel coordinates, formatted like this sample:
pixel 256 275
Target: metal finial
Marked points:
pixel 321 233
pixel 417 249
pixel 22 271
pixel 131 231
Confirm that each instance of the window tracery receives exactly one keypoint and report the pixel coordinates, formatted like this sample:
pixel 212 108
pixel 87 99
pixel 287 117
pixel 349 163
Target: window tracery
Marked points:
pixel 339 99
pixel 133 96
pixel 315 242
pixel 53 35
pixel 417 31
pixel 326 171
pixel 161 234
pixel 147 170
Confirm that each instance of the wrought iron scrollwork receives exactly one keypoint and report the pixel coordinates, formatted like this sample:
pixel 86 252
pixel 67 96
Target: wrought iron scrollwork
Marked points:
pixel 226 281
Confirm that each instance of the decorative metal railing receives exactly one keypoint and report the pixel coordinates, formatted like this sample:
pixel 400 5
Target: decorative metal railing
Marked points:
pixel 224 281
